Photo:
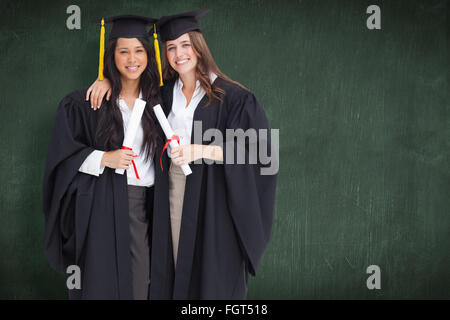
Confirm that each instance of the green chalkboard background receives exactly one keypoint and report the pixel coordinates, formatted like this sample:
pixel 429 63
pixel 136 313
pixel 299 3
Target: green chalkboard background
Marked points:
pixel 364 127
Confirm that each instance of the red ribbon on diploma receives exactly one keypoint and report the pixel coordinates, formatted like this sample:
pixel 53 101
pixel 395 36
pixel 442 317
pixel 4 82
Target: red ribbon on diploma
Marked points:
pixel 132 161
pixel 174 137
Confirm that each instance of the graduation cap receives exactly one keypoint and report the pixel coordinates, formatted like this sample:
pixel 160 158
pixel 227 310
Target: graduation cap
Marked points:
pixel 171 27
pixel 127 26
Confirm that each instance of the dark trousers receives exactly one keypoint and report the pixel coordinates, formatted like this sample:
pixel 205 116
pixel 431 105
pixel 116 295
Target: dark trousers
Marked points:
pixel 140 204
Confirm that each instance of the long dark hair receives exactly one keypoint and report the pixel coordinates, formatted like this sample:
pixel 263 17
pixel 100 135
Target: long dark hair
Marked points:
pixel 205 65
pixel 109 134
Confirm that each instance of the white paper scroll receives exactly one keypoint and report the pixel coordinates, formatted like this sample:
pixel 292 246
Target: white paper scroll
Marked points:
pixel 169 133
pixel 133 125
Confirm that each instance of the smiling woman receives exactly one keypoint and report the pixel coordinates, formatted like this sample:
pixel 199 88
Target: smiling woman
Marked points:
pixel 97 219
pixel 221 214
pixel 181 56
pixel 131 58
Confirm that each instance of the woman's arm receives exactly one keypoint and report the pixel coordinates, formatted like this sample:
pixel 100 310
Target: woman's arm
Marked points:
pixel 96 162
pixel 97 91
pixel 191 152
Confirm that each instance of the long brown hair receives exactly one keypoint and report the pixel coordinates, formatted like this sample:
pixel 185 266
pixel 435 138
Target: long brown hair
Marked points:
pixel 205 66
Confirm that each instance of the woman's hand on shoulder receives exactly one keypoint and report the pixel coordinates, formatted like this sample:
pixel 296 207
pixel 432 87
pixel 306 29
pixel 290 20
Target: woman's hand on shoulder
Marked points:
pixel 118 159
pixel 97 91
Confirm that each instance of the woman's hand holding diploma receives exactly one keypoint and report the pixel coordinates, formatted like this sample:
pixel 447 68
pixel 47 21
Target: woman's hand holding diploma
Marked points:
pixel 190 152
pixel 118 159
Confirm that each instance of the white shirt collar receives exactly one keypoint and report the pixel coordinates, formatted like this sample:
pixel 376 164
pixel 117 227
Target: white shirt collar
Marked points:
pixel 179 83
pixel 123 106
pixel 179 100
pixel 212 77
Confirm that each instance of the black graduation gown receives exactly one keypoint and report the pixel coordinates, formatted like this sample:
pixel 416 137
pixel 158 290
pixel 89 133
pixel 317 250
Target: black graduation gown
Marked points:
pixel 227 211
pixel 86 217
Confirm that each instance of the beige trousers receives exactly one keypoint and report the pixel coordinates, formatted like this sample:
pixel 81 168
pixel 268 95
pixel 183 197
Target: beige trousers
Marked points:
pixel 177 183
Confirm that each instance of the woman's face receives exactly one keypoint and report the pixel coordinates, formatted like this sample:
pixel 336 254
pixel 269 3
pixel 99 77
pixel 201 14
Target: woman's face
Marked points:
pixel 130 57
pixel 181 55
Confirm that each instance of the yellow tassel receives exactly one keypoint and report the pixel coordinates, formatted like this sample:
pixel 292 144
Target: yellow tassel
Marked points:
pixel 102 51
pixel 157 55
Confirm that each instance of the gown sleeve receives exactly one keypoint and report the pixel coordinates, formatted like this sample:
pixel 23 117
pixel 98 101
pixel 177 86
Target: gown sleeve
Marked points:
pixel 69 146
pixel 92 164
pixel 250 195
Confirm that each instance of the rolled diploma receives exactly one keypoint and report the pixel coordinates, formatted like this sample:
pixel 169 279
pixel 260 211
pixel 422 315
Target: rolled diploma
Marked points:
pixel 133 125
pixel 169 133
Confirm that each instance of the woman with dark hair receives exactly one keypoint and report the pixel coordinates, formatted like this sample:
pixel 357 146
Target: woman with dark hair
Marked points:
pixel 213 225
pixel 96 219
